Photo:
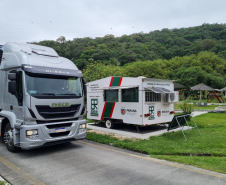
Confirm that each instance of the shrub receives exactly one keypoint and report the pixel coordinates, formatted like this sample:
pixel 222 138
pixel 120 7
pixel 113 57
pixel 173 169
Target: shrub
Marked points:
pixel 187 106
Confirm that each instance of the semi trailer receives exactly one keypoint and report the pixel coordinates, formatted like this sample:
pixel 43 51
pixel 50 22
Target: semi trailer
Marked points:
pixel 41 97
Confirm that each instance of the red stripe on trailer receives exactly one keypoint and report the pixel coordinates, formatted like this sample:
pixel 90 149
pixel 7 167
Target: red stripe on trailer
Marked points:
pixel 114 82
pixel 112 110
pixel 119 84
pixel 111 81
pixel 103 111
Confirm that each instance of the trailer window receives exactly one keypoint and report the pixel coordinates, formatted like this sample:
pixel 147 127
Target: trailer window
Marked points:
pixel 111 95
pixel 152 97
pixel 130 95
pixel 166 98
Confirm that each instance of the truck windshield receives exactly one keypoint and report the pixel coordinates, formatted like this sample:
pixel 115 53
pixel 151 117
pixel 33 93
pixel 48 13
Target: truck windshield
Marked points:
pixel 46 85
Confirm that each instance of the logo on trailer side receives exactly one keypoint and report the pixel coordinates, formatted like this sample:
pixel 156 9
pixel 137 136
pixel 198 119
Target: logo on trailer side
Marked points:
pixel 151 112
pixel 159 113
pixel 94 107
pixel 123 111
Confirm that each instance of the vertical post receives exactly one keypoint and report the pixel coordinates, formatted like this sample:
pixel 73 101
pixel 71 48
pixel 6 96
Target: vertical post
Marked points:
pixel 200 96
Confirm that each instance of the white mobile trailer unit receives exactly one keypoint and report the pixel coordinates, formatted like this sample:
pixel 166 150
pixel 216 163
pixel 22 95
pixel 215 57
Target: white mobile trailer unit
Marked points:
pixel 139 101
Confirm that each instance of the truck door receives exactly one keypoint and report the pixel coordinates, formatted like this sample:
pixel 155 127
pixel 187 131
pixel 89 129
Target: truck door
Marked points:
pixel 6 93
pixel 16 101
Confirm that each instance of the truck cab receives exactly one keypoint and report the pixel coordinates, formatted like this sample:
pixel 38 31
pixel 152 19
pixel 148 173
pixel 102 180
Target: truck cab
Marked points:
pixel 41 97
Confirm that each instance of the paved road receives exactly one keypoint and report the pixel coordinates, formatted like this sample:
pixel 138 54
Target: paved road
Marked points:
pixel 85 162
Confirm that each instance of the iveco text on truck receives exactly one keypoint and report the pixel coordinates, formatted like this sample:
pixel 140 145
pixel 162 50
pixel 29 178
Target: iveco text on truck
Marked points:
pixel 41 97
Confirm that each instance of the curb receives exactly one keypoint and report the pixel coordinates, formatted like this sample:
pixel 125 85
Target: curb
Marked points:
pixel 203 110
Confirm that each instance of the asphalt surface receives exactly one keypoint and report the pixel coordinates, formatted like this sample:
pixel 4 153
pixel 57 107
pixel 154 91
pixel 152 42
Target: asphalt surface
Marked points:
pixel 85 162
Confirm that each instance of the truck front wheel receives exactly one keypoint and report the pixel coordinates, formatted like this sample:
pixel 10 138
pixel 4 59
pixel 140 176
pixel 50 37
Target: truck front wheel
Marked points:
pixel 8 139
pixel 109 123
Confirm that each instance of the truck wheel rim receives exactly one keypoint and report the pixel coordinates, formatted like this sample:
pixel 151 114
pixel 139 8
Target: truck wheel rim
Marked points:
pixel 108 123
pixel 8 137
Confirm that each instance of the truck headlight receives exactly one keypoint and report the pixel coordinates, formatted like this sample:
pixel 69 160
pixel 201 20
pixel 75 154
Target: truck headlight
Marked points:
pixel 82 128
pixel 31 132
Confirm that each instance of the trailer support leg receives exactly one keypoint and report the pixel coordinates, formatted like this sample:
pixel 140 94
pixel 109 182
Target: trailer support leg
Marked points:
pixel 138 129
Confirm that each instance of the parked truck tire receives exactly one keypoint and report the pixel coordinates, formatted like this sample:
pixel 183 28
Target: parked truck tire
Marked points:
pixel 8 139
pixel 109 123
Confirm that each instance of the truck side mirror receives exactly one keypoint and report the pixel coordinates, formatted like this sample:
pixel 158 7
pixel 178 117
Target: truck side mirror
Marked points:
pixel 12 76
pixel 12 87
pixel 15 85
pixel 84 86
pixel 83 80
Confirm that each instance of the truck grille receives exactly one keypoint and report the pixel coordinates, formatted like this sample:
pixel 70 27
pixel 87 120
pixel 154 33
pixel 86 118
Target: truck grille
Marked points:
pixel 48 112
pixel 54 121
pixel 59 134
pixel 59 125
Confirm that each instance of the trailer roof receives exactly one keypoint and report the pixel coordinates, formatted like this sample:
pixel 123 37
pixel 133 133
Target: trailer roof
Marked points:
pixel 117 87
pixel 153 89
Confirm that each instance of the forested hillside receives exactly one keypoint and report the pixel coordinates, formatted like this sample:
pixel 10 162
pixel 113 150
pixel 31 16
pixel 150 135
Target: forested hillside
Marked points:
pixel 189 55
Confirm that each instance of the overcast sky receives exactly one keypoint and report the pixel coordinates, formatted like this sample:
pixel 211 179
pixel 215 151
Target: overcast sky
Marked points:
pixel 36 20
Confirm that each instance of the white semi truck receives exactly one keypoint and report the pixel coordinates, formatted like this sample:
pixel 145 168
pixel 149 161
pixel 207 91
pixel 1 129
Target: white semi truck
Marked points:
pixel 41 97
pixel 139 101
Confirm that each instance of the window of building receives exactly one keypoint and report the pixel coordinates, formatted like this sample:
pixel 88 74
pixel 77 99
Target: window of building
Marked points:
pixel 111 95
pixel 152 97
pixel 130 95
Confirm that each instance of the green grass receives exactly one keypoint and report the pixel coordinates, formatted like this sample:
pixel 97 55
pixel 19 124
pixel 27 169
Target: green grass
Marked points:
pixel 3 183
pixel 217 164
pixel 207 151
pixel 212 107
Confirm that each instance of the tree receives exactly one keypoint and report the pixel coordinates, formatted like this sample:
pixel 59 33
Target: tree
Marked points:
pixel 202 46
pixel 215 80
pixel 150 69
pixel 109 38
pixel 189 76
pixel 98 70
pixel 61 39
